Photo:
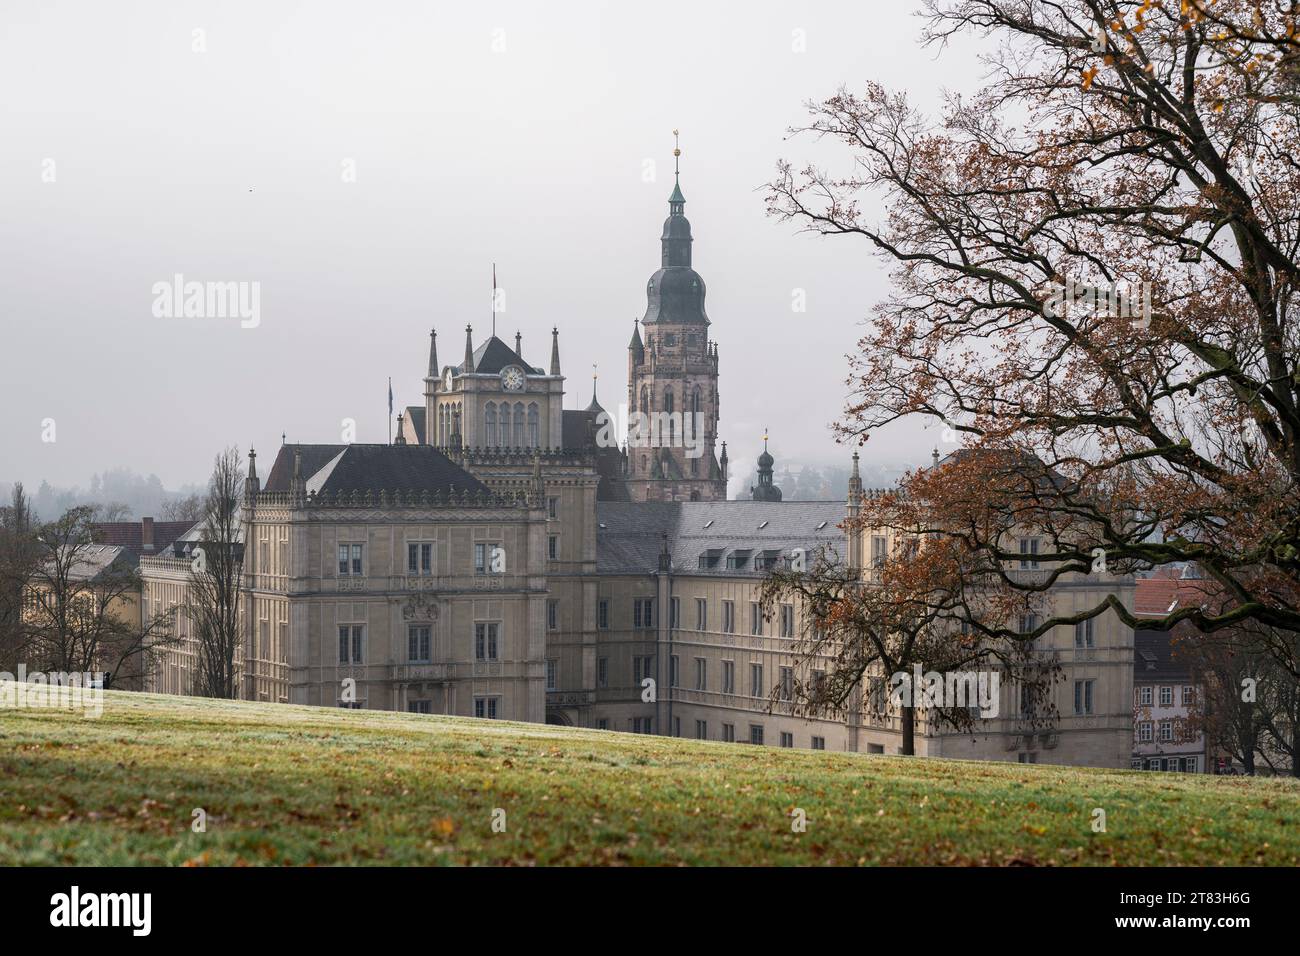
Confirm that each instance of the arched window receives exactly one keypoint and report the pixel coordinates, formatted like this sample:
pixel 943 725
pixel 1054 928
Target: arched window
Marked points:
pixel 519 424
pixel 534 427
pixel 672 427
pixel 455 423
pixel 643 406
pixel 490 425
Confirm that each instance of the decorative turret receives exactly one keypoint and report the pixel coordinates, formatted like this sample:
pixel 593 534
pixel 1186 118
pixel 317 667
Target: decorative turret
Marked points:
pixel 252 485
pixel 469 350
pixel 400 439
pixel 722 462
pixel 555 350
pixel 433 355
pixel 765 491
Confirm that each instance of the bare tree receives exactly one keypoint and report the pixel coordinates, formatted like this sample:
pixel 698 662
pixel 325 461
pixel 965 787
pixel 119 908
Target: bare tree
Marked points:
pixel 1096 263
pixel 214 582
pixel 913 609
pixel 83 600
pixel 19 556
pixel 112 511
pixel 187 508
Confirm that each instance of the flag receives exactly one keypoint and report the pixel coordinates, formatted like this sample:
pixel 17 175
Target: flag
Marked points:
pixel 390 396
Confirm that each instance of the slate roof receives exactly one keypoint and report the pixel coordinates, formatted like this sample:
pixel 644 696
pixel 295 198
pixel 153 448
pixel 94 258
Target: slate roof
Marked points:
pixel 372 468
pixel 93 560
pixel 1154 658
pixel 629 534
pixel 494 355
pixel 129 535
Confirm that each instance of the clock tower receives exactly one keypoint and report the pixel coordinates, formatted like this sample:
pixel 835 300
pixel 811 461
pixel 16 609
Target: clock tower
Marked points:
pixel 673 377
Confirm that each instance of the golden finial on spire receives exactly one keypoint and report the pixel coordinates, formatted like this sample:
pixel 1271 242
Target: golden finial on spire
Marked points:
pixel 677 152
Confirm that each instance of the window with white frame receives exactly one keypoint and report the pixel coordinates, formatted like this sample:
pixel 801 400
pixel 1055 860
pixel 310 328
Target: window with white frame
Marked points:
pixel 755 680
pixel 1189 695
pixel 1029 554
pixel 1166 731
pixel 729 617
pixel 755 618
pixel 1144 696
pixel 1166 696
pixel 701 614
pixel 1083 634
pixel 787 620
pixel 1145 731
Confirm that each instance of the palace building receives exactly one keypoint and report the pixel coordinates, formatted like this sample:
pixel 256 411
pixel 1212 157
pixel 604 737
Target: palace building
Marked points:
pixel 503 558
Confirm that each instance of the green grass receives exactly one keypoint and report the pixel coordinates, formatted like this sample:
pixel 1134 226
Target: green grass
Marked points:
pixel 303 785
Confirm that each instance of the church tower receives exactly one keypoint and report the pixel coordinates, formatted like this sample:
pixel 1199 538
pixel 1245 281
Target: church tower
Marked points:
pixel 673 377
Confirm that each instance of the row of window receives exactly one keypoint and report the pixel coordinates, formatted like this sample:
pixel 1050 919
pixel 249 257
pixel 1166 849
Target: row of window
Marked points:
pixel 419 642
pixel 1146 694
pixel 1148 730
pixel 643 616
pixel 489 558
pixel 1174 764
pixel 645 725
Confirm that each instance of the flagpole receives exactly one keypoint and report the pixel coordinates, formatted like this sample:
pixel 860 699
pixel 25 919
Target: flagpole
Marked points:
pixel 390 409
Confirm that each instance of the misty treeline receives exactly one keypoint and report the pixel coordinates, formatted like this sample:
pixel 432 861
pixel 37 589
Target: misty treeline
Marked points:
pixel 120 494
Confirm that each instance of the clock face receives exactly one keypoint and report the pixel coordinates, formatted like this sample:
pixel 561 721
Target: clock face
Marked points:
pixel 512 378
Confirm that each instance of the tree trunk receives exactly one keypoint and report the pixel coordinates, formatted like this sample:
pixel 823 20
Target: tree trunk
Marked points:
pixel 909 731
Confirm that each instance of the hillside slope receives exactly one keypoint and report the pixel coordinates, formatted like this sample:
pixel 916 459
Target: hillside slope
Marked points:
pixel 301 785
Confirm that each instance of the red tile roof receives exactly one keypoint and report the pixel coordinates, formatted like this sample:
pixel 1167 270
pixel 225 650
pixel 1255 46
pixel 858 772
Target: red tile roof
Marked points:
pixel 130 534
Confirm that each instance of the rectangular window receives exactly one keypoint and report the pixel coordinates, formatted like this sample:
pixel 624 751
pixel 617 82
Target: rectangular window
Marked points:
pixel 419 558
pixel 675 613
pixel 485 641
pixel 349 559
pixel 728 677
pixel 552 615
pixel 602 672
pixel 729 617
pixel 642 725
pixel 1189 765
pixel 602 615
pixel 1166 696
pixel 643 616
pixel 701 674
pixel 1144 732
pixel 819 743
pixel 787 683
pixel 787 620
pixel 552 508
pixel 1083 634
pixel 701 614
pixel 879 550
pixel 1144 696
pixel 701 730
pixel 419 706
pixel 729 733
pixel 1029 554
pixel 643 666
pixel 552 673
pixel 485 708
pixel 755 680
pixel 1189 695
pixel 1028 758
pixel 755 618
pixel 553 547
pixel 418 642
pixel 351 642
pixel 787 740
pixel 756 734
pixel 602 723
pixel 672 670
pixel 1166 731
pixel 1083 696
pixel 489 559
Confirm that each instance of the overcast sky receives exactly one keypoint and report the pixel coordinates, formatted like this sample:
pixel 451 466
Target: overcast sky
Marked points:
pixel 489 132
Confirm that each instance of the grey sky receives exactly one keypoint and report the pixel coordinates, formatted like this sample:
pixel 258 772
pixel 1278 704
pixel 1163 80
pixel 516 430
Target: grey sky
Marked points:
pixel 226 165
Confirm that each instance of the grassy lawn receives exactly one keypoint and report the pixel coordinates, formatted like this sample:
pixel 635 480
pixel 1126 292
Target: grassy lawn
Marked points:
pixel 302 785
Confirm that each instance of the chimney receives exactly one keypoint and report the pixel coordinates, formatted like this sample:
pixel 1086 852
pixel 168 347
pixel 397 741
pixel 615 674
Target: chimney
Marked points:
pixel 146 534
